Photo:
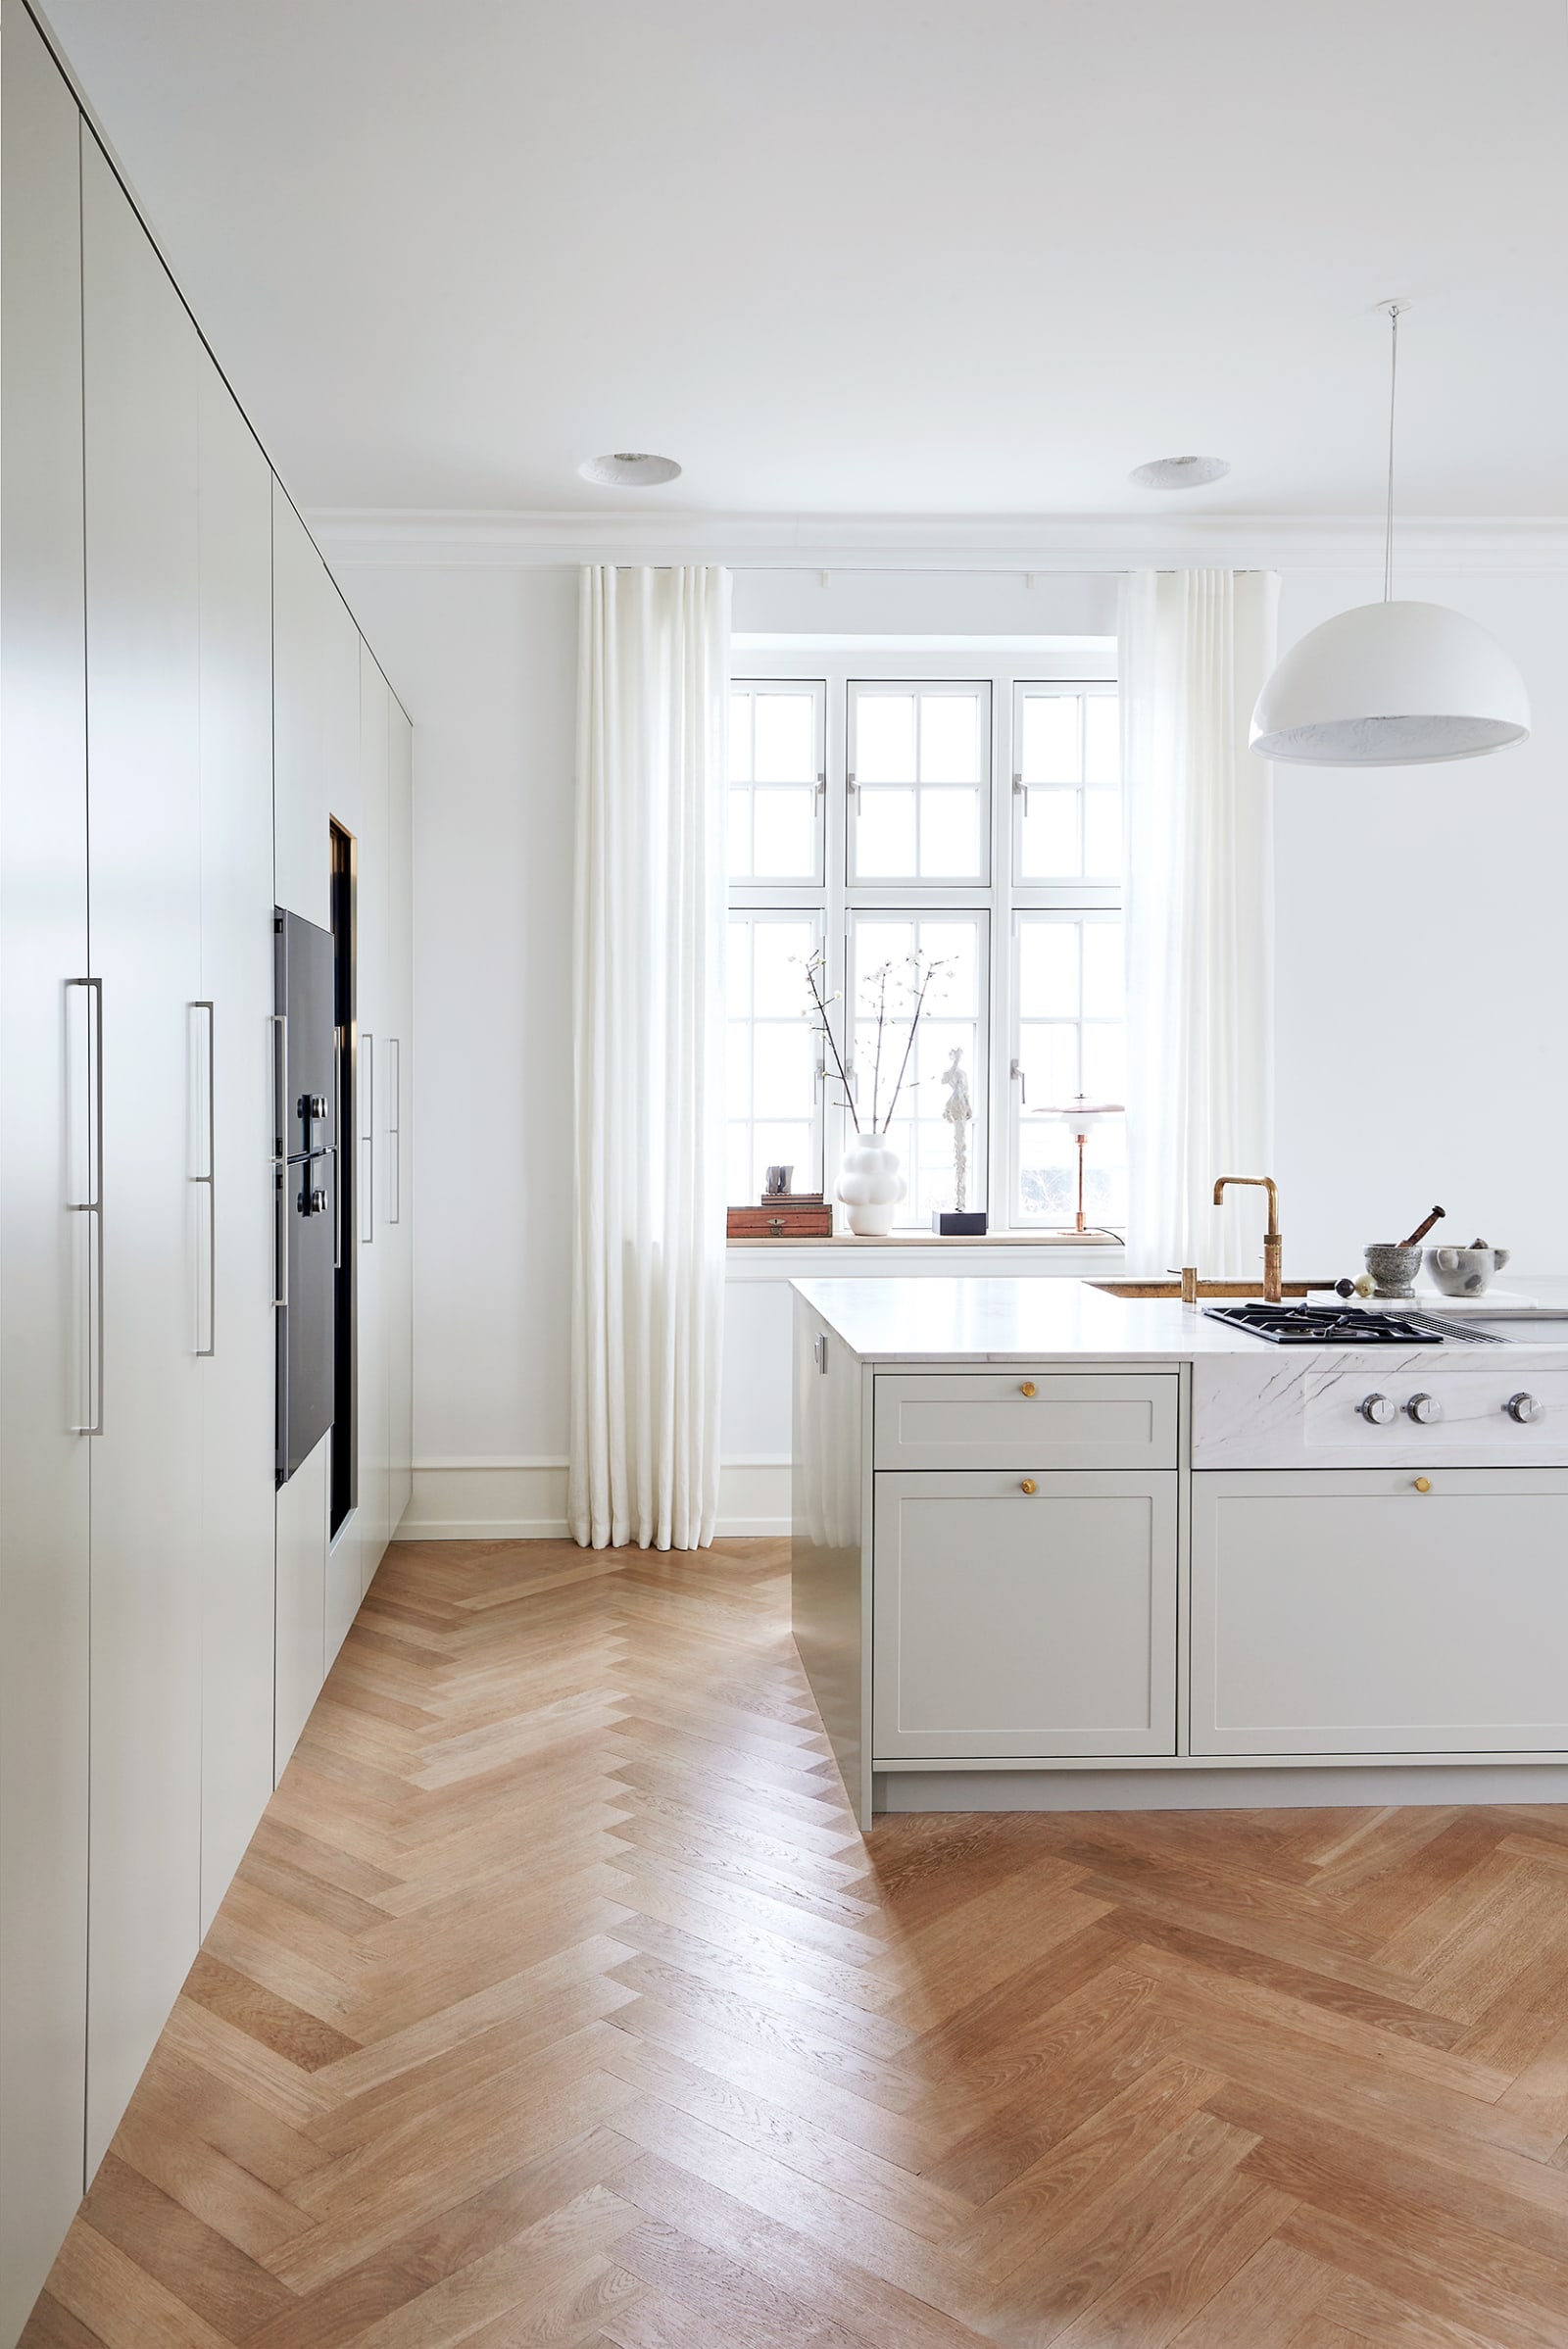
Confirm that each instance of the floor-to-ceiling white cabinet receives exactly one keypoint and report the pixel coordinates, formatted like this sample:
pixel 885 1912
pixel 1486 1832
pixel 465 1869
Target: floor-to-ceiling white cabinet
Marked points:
pixel 188 710
pixel 140 379
pixel 46 1174
pixel 233 1141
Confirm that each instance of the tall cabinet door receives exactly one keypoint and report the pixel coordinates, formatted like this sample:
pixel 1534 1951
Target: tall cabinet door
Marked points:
pixel 396 1094
pixel 301 794
pixel 234 1138
pixel 45 1262
pixel 370 1168
pixel 140 386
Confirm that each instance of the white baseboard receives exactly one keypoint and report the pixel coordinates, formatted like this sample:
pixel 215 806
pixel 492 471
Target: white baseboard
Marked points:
pixel 1298 1787
pixel 525 1500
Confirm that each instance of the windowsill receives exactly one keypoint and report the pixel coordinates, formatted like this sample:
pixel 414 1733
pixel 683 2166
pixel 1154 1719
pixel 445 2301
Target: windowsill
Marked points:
pixel 1096 1239
pixel 1064 1256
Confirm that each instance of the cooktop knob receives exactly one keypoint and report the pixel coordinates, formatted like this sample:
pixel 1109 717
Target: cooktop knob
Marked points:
pixel 1525 1408
pixel 1376 1407
pixel 1424 1409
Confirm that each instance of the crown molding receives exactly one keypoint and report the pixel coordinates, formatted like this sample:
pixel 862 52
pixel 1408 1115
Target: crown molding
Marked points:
pixel 388 538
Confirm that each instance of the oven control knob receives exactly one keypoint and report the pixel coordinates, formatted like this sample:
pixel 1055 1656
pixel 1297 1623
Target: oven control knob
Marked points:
pixel 1424 1409
pixel 1376 1409
pixel 1525 1408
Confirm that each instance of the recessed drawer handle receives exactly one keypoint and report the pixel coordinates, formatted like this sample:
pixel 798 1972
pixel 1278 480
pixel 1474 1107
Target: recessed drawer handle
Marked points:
pixel 1027 1387
pixel 1028 1485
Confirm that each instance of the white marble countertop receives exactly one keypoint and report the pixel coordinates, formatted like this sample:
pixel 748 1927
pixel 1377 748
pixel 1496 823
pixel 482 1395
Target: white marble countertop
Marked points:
pixel 1024 1317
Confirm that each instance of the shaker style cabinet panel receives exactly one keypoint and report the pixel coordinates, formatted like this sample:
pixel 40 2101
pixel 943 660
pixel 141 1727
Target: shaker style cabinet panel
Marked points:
pixel 141 379
pixel 47 1252
pixel 395 1113
pixel 1344 1612
pixel 1023 1418
pixel 1009 1622
pixel 234 1083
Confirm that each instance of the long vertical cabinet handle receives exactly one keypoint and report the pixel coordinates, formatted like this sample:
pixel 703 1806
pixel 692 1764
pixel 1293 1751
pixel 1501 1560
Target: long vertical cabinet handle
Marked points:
pixel 395 1127
pixel 93 1205
pixel 367 1139
pixel 280 1021
pixel 209 1180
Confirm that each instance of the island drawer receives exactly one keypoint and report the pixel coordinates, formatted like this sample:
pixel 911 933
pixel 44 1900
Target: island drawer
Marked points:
pixel 1023 1418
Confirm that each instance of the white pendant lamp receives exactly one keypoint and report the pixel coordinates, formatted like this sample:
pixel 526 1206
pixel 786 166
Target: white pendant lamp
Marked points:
pixel 1392 684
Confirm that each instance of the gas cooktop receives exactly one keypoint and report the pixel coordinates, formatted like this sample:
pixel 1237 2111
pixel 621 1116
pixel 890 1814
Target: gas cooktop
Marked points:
pixel 1346 1325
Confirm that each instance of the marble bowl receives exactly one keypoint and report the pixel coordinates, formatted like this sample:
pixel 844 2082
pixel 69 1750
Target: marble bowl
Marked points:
pixel 1393 1269
pixel 1464 1271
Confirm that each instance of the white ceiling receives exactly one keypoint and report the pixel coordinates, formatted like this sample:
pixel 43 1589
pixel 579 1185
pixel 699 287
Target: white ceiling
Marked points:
pixel 962 256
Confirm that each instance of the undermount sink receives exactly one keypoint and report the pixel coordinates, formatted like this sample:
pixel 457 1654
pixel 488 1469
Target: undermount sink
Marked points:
pixel 1173 1287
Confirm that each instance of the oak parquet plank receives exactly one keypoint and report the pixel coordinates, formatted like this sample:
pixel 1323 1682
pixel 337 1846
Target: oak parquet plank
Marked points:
pixel 1295 1979
pixel 219 2284
pixel 770 2028
pixel 833 2300
pixel 1168 2196
pixel 1181 2273
pixel 120 2300
pixel 657 2322
pixel 1524 2203
pixel 294 2033
pixel 559 2000
pixel 52 2325
pixel 831 1999
pixel 1376 2316
pixel 725 2293
pixel 800 2142
pixel 1264 2304
pixel 1459 2282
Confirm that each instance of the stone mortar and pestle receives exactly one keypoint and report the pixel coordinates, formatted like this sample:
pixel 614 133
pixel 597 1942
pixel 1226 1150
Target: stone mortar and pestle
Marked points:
pixel 1394 1265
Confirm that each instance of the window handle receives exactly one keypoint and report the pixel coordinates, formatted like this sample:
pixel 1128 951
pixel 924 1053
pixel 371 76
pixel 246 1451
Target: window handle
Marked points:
pixel 850 783
pixel 1019 1071
pixel 821 785
pixel 1021 791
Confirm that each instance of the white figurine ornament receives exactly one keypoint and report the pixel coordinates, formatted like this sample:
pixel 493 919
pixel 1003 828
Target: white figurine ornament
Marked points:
pixel 959 1113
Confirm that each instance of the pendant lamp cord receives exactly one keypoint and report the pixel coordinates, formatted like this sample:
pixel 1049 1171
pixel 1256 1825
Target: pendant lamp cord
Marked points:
pixel 1394 380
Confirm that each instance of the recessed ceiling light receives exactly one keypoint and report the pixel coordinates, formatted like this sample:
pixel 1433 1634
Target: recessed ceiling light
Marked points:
pixel 1179 472
pixel 630 468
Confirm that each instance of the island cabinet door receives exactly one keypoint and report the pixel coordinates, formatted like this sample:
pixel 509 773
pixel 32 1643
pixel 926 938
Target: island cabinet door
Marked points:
pixel 1349 1611
pixel 1024 1615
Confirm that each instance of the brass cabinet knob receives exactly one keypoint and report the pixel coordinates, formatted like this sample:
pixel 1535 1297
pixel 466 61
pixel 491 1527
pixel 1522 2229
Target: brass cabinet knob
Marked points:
pixel 1423 1484
pixel 1027 1387
pixel 1028 1485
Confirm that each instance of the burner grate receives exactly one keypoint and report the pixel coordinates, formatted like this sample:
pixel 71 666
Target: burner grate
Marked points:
pixel 1346 1325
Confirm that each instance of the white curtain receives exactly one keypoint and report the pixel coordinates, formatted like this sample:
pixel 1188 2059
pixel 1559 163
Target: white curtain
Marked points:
pixel 1196 647
pixel 647 1246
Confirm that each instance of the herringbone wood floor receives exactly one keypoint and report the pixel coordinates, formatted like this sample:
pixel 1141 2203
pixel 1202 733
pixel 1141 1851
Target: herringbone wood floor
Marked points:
pixel 558 2001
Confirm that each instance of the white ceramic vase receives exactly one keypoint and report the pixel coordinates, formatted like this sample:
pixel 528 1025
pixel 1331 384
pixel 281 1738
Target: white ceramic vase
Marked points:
pixel 870 1185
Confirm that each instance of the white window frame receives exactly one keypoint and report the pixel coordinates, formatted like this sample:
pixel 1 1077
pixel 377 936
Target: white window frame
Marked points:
pixel 1022 914
pixel 813 1176
pixel 858 689
pixel 817 688
pixel 1008 670
pixel 980 1075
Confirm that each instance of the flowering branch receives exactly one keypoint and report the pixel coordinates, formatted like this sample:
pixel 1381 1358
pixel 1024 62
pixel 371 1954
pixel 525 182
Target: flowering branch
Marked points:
pixel 824 1029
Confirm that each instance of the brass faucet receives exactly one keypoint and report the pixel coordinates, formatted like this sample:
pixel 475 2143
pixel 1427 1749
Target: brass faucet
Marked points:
pixel 1272 1291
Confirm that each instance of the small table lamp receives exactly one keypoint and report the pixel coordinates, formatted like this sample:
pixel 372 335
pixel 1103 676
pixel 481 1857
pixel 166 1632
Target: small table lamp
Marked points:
pixel 1082 1116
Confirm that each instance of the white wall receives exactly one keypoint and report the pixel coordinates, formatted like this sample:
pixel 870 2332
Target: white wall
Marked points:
pixel 1421 1040
pixel 1422 965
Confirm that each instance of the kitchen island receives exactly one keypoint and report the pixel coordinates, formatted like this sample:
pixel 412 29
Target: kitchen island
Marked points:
pixel 1059 1548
